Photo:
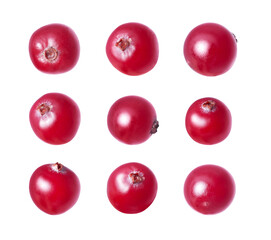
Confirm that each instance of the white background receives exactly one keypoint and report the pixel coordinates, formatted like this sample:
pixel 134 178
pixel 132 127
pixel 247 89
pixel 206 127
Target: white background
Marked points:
pixel 171 87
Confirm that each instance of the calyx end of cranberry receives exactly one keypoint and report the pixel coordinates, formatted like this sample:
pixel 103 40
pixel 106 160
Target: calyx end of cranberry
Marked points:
pixel 155 126
pixel 57 166
pixel 50 54
pixel 209 105
pixel 136 177
pixel 234 37
pixel 123 44
pixel 44 108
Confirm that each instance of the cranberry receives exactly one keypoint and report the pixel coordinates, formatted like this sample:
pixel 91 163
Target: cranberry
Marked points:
pixel 54 188
pixel 208 121
pixel 132 120
pixel 209 189
pixel 54 48
pixel 210 49
pixel 131 188
pixel 55 118
pixel 132 48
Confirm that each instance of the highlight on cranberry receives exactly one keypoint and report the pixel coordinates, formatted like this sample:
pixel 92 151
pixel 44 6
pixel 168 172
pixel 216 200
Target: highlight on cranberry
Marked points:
pixel 132 48
pixel 54 48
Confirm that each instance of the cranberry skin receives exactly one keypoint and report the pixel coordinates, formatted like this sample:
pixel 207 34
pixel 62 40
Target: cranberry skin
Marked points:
pixel 132 120
pixel 132 48
pixel 54 48
pixel 55 118
pixel 210 49
pixel 209 189
pixel 131 188
pixel 54 188
pixel 208 121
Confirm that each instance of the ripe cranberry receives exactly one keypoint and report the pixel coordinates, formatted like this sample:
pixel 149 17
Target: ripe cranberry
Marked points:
pixel 132 120
pixel 55 118
pixel 54 48
pixel 54 188
pixel 132 48
pixel 210 49
pixel 208 121
pixel 131 188
pixel 209 189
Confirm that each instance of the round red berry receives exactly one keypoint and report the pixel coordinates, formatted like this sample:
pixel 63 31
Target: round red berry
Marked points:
pixel 209 189
pixel 55 118
pixel 210 49
pixel 131 188
pixel 54 48
pixel 132 48
pixel 54 188
pixel 208 121
pixel 132 120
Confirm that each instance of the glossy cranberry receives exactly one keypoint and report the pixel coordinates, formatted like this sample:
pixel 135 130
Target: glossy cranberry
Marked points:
pixel 210 49
pixel 55 118
pixel 54 188
pixel 131 188
pixel 54 48
pixel 132 48
pixel 208 121
pixel 209 189
pixel 132 120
